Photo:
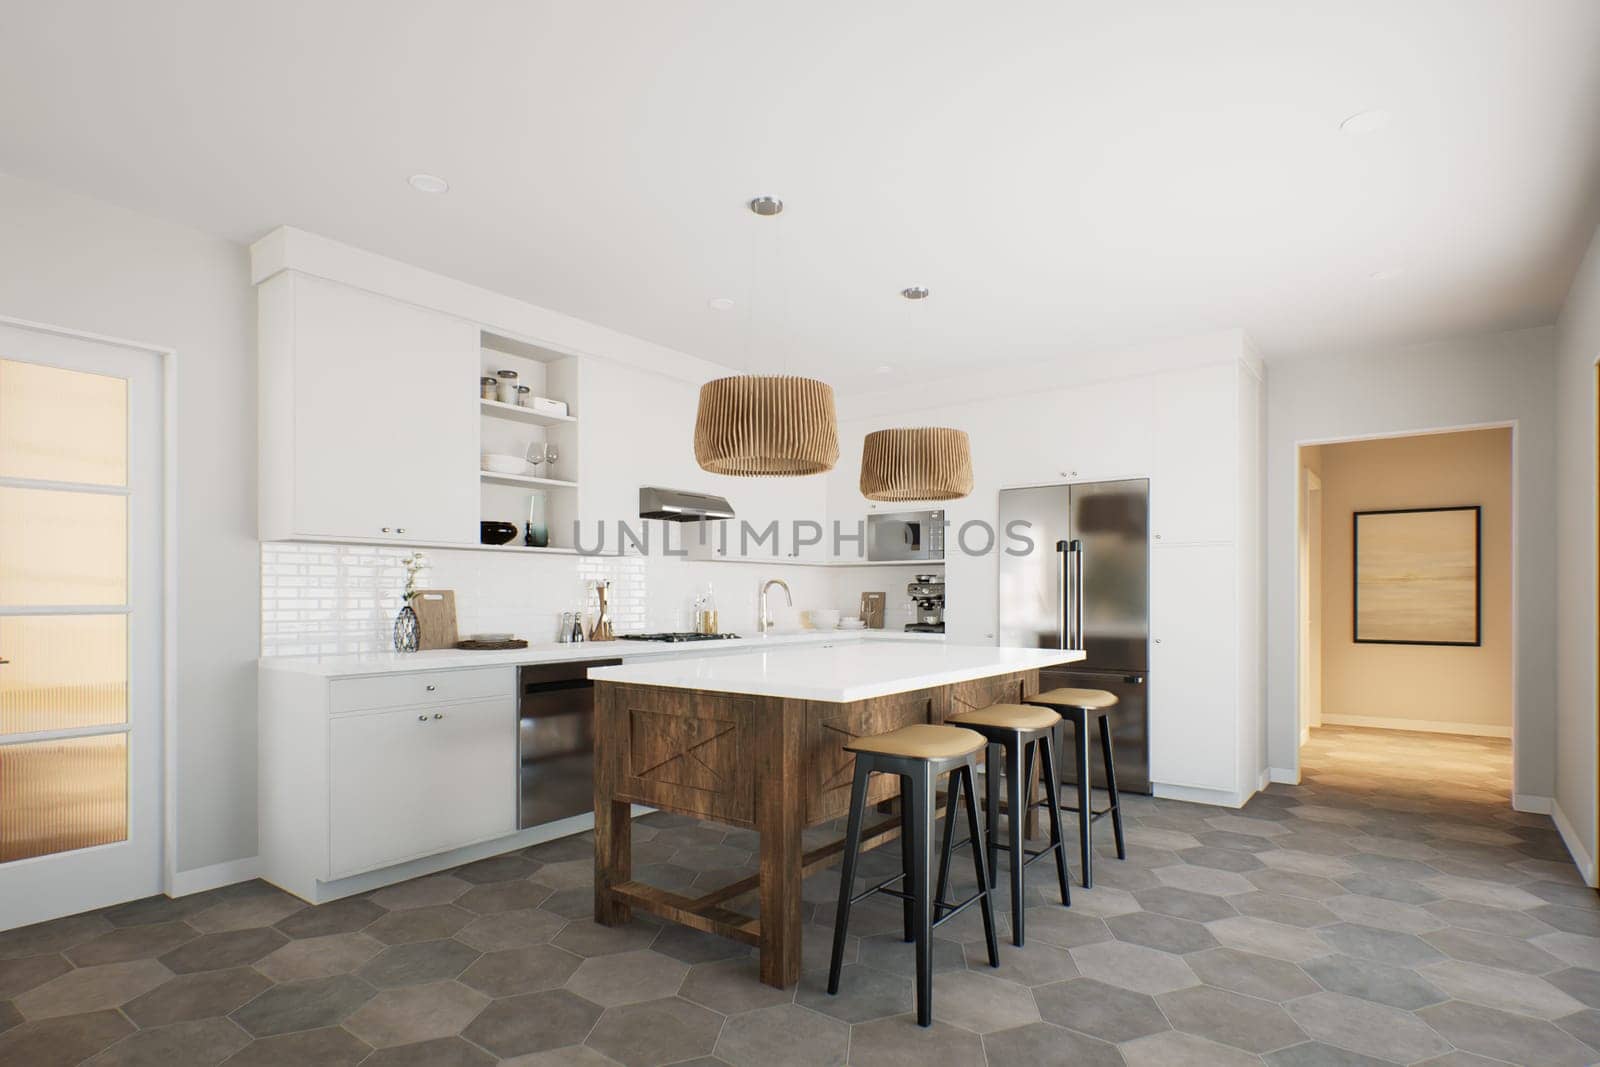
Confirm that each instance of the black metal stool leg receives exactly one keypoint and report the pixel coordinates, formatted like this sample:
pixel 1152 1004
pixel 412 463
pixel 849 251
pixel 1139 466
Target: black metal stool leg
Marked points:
pixel 993 761
pixel 920 886
pixel 1016 782
pixel 1052 794
pixel 1080 755
pixel 952 797
pixel 907 843
pixel 985 876
pixel 847 872
pixel 1111 786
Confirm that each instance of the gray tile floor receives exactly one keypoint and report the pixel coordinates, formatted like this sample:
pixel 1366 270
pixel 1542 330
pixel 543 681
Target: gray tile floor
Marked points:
pixel 1392 909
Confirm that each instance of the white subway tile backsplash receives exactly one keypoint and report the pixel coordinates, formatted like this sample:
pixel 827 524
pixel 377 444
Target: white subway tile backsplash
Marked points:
pixel 334 599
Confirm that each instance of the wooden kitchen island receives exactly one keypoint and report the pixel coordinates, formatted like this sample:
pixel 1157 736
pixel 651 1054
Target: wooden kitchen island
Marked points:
pixel 756 740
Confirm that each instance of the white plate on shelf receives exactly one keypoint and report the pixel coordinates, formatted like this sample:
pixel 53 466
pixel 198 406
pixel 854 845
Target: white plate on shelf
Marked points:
pixel 845 624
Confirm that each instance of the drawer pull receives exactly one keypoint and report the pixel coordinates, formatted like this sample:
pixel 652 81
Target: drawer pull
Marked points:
pixel 422 718
pixel 438 715
pixel 431 688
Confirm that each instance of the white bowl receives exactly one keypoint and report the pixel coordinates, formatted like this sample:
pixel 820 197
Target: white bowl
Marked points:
pixel 824 618
pixel 499 463
pixel 852 624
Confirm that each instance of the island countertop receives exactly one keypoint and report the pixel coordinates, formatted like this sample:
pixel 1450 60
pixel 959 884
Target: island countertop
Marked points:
pixel 839 673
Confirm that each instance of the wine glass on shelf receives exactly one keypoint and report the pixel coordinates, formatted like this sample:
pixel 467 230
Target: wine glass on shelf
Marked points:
pixel 550 457
pixel 536 456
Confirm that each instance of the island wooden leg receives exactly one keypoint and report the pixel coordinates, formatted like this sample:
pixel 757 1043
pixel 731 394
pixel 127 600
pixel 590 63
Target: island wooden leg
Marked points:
pixel 613 819
pixel 780 804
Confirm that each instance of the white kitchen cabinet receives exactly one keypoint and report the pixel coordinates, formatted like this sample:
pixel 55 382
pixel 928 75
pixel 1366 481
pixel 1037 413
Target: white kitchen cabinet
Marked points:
pixel 1193 484
pixel 364 773
pixel 368 416
pixel 1194 642
pixel 414 781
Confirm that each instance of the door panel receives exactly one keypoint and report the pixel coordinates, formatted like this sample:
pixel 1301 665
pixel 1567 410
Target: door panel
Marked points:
pixel 81 505
pixel 416 781
pixel 1193 694
pixel 1031 583
pixel 1112 520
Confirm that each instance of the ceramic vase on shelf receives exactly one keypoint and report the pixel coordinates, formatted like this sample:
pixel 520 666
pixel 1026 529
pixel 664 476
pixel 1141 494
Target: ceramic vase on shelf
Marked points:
pixel 538 533
pixel 407 632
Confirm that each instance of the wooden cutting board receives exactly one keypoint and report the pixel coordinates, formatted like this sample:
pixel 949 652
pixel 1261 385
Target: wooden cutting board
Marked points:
pixel 436 618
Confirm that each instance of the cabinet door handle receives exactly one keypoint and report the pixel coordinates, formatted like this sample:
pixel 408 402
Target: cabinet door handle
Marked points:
pixel 386 529
pixel 438 715
pixel 400 529
pixel 422 718
pixel 431 688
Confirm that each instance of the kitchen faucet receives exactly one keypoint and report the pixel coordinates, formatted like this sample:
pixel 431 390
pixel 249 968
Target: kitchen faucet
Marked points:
pixel 763 622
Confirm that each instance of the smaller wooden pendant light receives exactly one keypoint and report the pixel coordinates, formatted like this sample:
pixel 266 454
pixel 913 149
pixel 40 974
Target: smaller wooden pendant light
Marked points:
pixel 916 463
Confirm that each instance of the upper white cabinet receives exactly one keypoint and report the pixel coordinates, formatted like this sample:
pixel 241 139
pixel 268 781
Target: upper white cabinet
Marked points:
pixel 1193 483
pixel 369 416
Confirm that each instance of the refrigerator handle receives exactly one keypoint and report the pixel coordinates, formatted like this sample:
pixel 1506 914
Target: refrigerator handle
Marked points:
pixel 1075 576
pixel 1063 590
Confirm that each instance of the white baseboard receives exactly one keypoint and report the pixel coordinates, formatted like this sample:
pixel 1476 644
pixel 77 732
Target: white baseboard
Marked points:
pixel 1426 726
pixel 1531 803
pixel 1221 798
pixel 1264 779
pixel 199 879
pixel 1569 837
pixel 1284 775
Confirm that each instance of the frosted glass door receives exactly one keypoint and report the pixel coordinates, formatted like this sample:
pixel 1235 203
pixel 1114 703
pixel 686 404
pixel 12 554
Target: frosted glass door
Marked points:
pixel 80 624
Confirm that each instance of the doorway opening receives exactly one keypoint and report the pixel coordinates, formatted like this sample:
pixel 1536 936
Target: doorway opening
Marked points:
pixel 1405 645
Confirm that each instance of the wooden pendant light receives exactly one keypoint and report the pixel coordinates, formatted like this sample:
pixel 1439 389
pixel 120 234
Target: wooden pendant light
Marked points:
pixel 917 463
pixel 766 425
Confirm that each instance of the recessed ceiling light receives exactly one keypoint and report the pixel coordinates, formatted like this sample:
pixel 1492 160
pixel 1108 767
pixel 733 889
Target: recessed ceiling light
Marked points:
pixel 767 205
pixel 1365 122
pixel 720 303
pixel 429 183
pixel 1387 274
pixel 915 292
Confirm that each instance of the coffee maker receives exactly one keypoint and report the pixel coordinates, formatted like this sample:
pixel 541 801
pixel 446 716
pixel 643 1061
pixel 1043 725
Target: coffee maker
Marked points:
pixel 927 593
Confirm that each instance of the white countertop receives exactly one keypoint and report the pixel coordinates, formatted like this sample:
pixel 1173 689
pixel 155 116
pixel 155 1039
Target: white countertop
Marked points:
pixel 447 659
pixel 837 671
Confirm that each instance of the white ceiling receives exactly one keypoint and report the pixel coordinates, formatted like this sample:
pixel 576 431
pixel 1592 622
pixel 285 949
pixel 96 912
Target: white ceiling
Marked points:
pixel 1067 177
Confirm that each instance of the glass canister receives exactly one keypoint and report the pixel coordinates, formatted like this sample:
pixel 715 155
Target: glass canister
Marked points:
pixel 523 394
pixel 506 386
pixel 488 389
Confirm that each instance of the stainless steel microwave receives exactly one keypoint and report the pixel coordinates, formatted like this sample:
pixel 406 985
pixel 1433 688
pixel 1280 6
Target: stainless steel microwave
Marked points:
pixel 906 535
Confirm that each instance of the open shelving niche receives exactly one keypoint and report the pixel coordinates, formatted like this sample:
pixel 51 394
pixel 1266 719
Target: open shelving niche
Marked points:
pixel 509 429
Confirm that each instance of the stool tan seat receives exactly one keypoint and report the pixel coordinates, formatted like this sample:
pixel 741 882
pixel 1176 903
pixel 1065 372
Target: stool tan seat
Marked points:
pixel 1076 706
pixel 920 742
pixel 918 755
pixel 1092 699
pixel 1014 716
pixel 1016 734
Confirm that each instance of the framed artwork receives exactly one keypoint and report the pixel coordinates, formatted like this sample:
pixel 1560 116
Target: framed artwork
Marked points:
pixel 1418 576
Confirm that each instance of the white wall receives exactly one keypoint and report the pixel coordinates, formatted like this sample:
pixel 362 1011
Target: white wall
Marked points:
pixel 1441 385
pixel 1578 345
pixel 85 265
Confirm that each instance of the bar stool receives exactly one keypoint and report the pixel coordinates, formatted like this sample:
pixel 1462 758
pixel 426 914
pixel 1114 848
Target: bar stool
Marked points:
pixel 1075 706
pixel 1015 733
pixel 919 755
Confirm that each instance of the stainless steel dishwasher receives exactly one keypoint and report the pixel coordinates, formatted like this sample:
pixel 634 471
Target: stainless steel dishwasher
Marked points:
pixel 555 741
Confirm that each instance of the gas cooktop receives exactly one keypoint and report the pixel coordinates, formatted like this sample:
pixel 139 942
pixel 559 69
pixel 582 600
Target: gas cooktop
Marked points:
pixel 683 635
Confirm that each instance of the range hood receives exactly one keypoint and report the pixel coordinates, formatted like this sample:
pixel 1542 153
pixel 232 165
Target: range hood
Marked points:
pixel 680 505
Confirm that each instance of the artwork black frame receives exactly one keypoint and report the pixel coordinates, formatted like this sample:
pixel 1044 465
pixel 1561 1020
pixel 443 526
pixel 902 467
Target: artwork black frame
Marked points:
pixel 1477 575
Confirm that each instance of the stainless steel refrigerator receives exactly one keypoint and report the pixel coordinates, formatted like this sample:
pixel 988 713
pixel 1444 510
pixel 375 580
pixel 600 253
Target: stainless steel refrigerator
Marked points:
pixel 1102 529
